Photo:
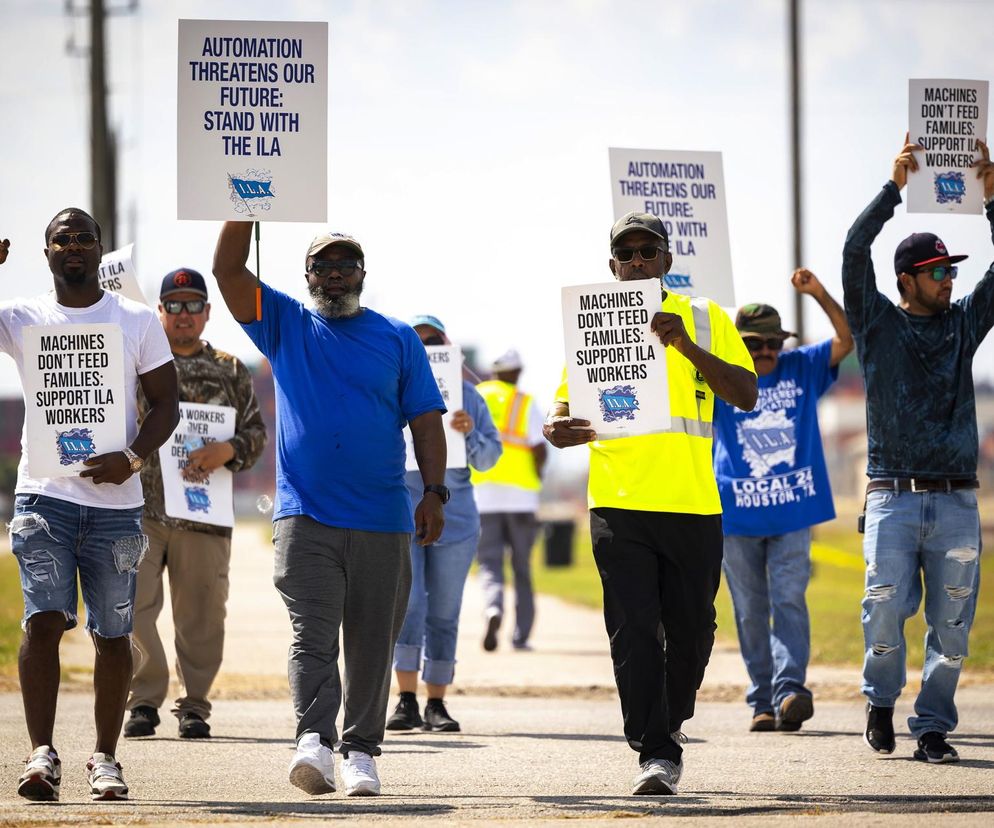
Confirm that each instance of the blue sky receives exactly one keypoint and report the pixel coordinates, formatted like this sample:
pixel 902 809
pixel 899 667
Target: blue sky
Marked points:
pixel 468 144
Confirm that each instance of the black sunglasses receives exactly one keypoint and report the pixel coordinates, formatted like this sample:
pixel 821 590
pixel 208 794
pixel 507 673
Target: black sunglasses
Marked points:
pixel 939 273
pixel 647 252
pixel 756 344
pixel 60 241
pixel 192 306
pixel 322 268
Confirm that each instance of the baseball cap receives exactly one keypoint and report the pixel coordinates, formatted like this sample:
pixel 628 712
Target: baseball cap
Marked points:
pixel 510 360
pixel 321 242
pixel 426 319
pixel 921 249
pixel 186 279
pixel 639 221
pixel 760 320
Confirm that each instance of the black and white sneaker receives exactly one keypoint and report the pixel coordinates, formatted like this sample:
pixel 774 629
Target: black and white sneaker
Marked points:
pixel 437 718
pixel 42 776
pixel 879 733
pixel 143 722
pixel 405 715
pixel 933 747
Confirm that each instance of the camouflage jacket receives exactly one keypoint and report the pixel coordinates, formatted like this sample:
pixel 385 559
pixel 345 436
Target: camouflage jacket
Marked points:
pixel 215 378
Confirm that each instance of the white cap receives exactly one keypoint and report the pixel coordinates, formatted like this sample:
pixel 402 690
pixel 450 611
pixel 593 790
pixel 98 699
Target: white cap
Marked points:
pixel 510 360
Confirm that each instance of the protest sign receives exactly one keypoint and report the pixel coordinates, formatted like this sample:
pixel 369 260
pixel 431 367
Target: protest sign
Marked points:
pixel 615 365
pixel 946 117
pixel 73 396
pixel 117 274
pixel 446 365
pixel 209 501
pixel 686 190
pixel 252 120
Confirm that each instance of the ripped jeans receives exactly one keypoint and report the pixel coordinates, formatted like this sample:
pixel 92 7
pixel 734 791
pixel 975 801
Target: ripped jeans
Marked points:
pixel 53 539
pixel 913 537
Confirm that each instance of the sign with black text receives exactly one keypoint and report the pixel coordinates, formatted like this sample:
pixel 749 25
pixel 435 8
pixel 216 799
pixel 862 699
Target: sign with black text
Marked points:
pixel 117 274
pixel 446 366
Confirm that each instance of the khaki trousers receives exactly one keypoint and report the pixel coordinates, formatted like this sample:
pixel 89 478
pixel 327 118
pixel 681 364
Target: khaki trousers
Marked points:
pixel 198 585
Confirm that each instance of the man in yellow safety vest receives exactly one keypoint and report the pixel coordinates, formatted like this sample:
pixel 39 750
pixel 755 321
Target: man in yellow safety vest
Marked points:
pixel 507 497
pixel 655 515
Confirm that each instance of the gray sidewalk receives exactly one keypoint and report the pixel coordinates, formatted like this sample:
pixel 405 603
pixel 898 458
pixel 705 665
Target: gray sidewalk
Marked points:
pixel 542 740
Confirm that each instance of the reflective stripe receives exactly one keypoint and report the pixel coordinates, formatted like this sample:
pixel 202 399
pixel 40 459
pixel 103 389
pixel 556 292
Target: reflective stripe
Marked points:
pixel 511 427
pixel 685 425
pixel 702 331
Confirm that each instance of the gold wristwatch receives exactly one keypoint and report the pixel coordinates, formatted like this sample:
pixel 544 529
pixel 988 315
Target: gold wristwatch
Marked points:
pixel 134 460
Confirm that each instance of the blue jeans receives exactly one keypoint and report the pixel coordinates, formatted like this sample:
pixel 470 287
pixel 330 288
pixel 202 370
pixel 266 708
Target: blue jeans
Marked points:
pixel 911 537
pixel 438 574
pixel 768 577
pixel 52 539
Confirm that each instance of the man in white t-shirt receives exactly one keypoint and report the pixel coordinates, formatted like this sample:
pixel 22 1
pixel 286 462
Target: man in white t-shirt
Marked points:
pixel 88 523
pixel 507 497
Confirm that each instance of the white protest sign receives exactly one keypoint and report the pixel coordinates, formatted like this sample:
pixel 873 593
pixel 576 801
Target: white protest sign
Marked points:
pixel 117 274
pixel 252 121
pixel 686 190
pixel 615 365
pixel 946 117
pixel 73 396
pixel 210 501
pixel 446 365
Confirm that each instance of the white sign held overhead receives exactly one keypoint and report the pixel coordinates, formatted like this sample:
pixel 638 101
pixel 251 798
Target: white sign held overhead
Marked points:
pixel 446 366
pixel 73 395
pixel 946 117
pixel 615 365
pixel 117 274
pixel 252 121
pixel 686 191
pixel 211 500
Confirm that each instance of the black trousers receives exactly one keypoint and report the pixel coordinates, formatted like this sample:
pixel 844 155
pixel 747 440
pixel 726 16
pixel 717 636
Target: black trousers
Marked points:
pixel 660 572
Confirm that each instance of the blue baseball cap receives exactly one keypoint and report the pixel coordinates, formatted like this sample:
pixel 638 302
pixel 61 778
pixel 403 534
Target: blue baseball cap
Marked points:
pixel 425 319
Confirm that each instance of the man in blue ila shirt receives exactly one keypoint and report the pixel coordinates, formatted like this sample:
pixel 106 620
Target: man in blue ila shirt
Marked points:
pixel 773 483
pixel 921 518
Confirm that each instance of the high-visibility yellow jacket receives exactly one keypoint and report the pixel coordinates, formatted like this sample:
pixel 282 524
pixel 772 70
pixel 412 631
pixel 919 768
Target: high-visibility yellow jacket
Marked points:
pixel 509 409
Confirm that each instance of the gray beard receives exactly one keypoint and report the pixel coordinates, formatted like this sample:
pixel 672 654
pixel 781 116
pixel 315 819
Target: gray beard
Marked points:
pixel 335 307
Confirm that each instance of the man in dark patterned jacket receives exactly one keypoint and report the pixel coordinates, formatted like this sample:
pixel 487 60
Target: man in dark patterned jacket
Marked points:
pixel 196 554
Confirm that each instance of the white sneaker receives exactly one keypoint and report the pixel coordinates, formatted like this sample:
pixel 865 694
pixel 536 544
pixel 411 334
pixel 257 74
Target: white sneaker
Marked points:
pixel 312 768
pixel 42 776
pixel 658 777
pixel 106 778
pixel 359 774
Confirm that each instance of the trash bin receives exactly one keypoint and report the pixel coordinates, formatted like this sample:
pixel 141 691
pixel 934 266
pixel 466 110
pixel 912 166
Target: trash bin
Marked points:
pixel 559 542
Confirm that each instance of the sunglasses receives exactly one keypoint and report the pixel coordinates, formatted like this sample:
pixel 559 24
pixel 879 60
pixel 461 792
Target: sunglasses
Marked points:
pixel 60 241
pixel 939 273
pixel 434 339
pixel 191 306
pixel 322 268
pixel 647 253
pixel 756 344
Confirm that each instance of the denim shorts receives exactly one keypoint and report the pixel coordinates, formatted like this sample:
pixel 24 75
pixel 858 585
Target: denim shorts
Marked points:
pixel 53 539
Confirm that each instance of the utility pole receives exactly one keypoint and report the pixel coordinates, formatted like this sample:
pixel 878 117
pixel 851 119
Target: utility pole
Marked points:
pixel 103 141
pixel 794 13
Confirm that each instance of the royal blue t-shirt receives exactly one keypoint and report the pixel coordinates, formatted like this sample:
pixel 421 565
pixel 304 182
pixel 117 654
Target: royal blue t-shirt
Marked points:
pixel 345 388
pixel 769 461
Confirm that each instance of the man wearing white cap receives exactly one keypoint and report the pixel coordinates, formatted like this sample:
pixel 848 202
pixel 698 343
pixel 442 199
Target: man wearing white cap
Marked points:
pixel 507 497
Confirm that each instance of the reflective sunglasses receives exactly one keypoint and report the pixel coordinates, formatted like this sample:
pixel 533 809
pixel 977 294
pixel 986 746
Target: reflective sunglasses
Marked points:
pixel 647 253
pixel 939 273
pixel 322 268
pixel 756 344
pixel 85 239
pixel 191 306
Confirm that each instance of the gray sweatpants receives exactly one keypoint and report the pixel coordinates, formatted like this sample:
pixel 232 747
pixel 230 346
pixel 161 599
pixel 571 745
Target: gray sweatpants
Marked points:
pixel 332 578
pixel 516 530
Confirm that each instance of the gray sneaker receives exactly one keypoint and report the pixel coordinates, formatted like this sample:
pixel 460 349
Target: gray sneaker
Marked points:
pixel 659 777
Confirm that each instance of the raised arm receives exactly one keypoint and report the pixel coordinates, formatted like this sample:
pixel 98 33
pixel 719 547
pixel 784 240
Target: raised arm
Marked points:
pixel 804 281
pixel 236 282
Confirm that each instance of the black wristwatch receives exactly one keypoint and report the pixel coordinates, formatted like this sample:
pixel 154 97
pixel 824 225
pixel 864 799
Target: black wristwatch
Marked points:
pixel 441 491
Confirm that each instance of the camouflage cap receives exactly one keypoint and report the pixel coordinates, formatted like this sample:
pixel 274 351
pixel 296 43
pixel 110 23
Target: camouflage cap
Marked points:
pixel 760 320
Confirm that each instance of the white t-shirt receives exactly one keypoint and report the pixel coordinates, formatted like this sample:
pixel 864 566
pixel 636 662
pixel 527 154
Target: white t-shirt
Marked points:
pixel 145 348
pixel 496 497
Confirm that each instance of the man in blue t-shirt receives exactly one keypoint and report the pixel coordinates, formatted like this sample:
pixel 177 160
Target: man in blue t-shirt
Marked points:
pixel 347 381
pixel 922 524
pixel 774 487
